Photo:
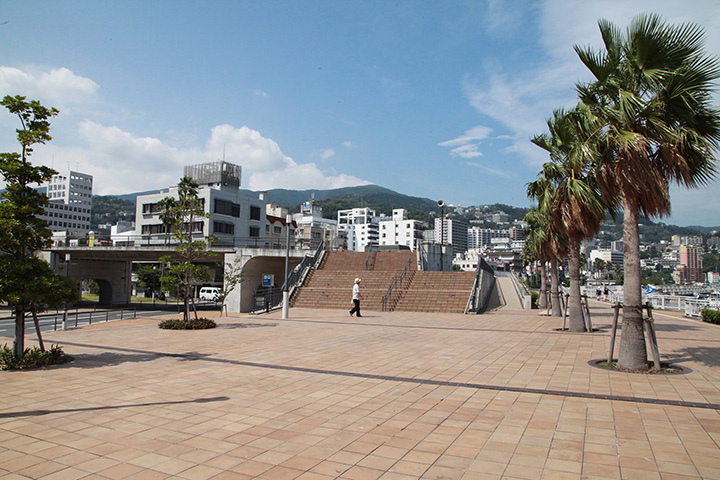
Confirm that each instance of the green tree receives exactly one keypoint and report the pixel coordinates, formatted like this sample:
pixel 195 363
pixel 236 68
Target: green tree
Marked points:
pixel 599 265
pixel 652 93
pixel 183 270
pixel 149 277
pixel 26 281
pixel 537 247
pixel 168 215
pixel 566 189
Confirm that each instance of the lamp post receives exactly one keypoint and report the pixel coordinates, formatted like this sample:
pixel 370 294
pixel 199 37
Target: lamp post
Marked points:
pixel 441 204
pixel 286 293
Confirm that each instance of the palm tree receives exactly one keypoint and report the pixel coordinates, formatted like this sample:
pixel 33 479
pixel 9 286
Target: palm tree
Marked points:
pixel 168 215
pixel 571 195
pixel 652 93
pixel 553 238
pixel 537 245
pixel 599 265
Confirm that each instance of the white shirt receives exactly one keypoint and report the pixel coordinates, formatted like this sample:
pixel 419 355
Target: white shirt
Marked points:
pixel 356 292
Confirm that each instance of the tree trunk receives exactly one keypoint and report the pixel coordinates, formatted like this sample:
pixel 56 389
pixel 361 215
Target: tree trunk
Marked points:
pixel 577 322
pixel 555 288
pixel 542 300
pixel 19 342
pixel 632 354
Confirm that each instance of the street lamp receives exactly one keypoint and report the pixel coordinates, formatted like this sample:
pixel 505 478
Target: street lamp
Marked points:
pixel 441 204
pixel 286 293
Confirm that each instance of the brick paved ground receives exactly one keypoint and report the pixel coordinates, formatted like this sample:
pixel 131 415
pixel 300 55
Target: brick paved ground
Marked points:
pixel 390 395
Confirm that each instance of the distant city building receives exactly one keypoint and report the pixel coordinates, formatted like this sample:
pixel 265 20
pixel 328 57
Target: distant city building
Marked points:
pixel 400 231
pixel 678 240
pixel 690 269
pixel 608 256
pixel 452 232
pixel 500 217
pixel 713 277
pixel 362 226
pixel 312 228
pixel 70 196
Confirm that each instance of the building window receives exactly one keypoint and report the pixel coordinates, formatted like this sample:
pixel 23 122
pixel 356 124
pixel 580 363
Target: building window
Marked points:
pixel 254 213
pixel 277 230
pixel 223 207
pixel 220 227
pixel 254 231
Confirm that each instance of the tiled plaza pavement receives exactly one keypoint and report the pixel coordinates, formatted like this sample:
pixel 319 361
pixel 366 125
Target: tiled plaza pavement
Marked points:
pixel 390 395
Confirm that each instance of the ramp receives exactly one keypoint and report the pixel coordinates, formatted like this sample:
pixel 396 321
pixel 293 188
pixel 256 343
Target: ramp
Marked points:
pixel 507 291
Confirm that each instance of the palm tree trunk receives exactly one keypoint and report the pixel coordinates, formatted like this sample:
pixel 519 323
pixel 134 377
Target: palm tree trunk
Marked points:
pixel 632 354
pixel 542 300
pixel 555 288
pixel 577 322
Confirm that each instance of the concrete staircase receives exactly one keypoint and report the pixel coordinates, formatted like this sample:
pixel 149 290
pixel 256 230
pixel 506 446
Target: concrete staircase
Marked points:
pixel 437 292
pixel 330 286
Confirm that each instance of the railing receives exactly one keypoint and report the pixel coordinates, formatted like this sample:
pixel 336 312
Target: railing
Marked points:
pixel 522 292
pixel 396 281
pixel 159 241
pixel 297 276
pixel 690 306
pixel 482 288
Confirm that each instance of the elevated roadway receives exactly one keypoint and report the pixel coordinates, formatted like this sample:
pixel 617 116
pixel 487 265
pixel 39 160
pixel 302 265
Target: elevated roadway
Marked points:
pixel 111 268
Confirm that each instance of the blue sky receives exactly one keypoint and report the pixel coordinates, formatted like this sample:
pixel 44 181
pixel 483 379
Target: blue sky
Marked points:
pixel 431 99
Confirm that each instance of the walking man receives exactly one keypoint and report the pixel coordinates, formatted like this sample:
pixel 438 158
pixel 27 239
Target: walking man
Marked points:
pixel 356 297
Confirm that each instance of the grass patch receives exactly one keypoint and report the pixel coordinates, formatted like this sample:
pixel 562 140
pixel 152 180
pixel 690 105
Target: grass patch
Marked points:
pixel 32 358
pixel 192 324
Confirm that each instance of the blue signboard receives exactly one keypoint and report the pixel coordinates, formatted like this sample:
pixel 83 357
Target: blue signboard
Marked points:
pixel 267 280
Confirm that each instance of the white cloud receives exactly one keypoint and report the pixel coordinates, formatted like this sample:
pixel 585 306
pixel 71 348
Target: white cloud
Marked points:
pixel 327 154
pixel 122 163
pixel 58 87
pixel 467 145
pixel 348 144
pixel 491 171
pixel 260 93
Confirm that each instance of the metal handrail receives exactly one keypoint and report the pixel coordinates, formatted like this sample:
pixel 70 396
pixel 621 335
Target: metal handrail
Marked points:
pixel 395 281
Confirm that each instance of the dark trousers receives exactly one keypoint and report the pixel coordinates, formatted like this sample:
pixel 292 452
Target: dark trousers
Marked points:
pixel 356 308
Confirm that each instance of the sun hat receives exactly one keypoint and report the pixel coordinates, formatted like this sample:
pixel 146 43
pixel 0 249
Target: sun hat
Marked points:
pixel 357 280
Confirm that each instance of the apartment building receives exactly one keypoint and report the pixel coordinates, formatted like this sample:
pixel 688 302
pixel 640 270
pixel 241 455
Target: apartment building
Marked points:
pixel 452 232
pixel 362 226
pixel 70 196
pixel 690 269
pixel 399 230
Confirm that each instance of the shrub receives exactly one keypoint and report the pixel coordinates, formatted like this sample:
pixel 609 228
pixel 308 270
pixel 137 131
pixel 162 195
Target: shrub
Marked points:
pixel 191 324
pixel 711 316
pixel 32 358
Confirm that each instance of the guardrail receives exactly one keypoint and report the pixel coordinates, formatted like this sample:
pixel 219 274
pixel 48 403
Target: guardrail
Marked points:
pixel 396 281
pixel 690 306
pixel 160 241
pixel 482 288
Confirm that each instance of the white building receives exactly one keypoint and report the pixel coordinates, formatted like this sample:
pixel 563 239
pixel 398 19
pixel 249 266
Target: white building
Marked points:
pixel 312 228
pixel 233 217
pixel 608 256
pixel 400 231
pixel 70 197
pixel 362 226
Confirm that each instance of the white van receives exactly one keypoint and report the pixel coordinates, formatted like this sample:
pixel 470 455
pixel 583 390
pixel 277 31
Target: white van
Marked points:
pixel 210 294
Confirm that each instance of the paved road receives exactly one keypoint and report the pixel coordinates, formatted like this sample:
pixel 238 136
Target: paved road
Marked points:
pixel 53 321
